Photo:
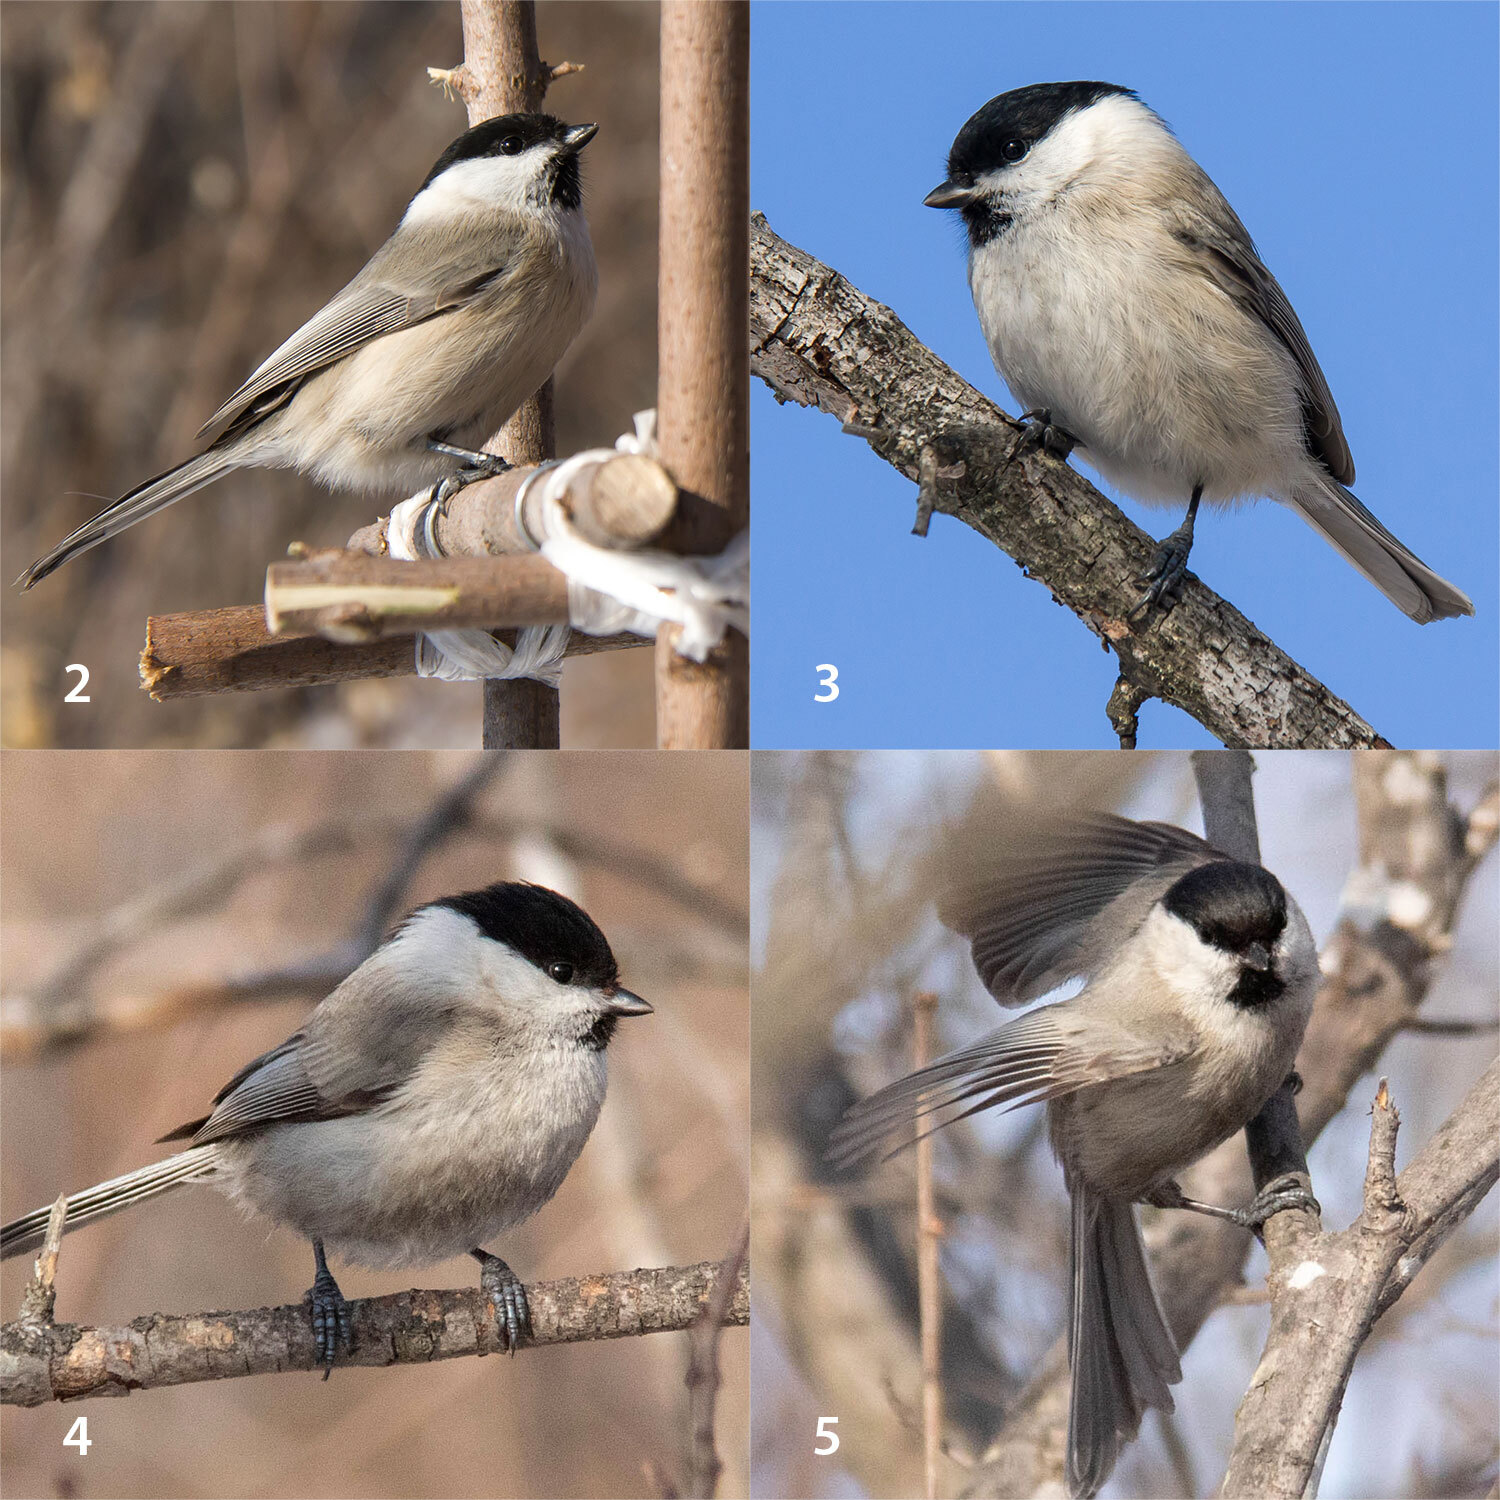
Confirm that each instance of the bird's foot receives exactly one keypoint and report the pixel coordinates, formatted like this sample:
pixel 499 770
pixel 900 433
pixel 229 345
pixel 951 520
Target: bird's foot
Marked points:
pixel 1167 573
pixel 1278 1194
pixel 1038 430
pixel 477 465
pixel 503 1287
pixel 331 1324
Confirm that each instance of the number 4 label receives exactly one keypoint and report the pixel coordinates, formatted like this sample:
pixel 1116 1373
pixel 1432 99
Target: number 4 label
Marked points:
pixel 78 1437
pixel 825 1430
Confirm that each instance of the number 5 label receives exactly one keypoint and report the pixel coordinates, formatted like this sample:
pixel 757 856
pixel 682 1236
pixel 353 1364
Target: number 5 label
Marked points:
pixel 825 1430
pixel 830 680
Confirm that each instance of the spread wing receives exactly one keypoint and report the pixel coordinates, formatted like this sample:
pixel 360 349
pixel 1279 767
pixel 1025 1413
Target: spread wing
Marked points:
pixel 1039 1056
pixel 1027 913
pixel 367 309
pixel 1227 254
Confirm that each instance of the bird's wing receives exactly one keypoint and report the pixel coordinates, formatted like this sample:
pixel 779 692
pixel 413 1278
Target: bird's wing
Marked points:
pixel 367 309
pixel 1027 913
pixel 1040 1056
pixel 361 1045
pixel 1227 254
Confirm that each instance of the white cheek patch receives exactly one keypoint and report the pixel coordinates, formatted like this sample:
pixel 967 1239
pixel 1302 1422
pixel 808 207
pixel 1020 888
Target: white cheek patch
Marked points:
pixel 482 182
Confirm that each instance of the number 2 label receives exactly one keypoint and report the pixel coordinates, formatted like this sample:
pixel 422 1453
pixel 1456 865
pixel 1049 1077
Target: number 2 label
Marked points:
pixel 76 694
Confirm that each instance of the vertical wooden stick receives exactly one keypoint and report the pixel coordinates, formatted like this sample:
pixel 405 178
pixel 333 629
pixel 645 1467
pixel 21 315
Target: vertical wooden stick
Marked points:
pixel 703 339
pixel 929 1297
pixel 503 74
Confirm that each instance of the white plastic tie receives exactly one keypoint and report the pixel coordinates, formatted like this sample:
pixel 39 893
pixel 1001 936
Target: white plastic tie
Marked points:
pixel 609 591
pixel 470 655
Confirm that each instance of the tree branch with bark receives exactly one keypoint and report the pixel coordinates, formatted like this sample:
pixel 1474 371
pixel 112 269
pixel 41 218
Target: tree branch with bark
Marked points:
pixel 819 341
pixel 42 1361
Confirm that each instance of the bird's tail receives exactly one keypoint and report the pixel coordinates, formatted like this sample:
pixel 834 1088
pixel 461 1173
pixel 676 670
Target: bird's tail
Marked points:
pixel 27 1232
pixel 144 500
pixel 1121 1353
pixel 1394 569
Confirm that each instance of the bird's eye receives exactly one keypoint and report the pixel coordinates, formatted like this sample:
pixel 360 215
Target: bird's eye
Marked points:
pixel 1013 151
pixel 510 145
pixel 562 973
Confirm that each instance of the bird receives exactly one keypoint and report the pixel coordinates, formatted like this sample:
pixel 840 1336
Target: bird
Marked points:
pixel 435 1099
pixel 1199 976
pixel 459 317
pixel 1128 310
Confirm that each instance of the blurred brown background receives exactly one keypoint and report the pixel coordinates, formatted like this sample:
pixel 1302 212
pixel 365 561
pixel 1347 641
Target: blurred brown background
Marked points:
pixel 184 183
pixel 654 847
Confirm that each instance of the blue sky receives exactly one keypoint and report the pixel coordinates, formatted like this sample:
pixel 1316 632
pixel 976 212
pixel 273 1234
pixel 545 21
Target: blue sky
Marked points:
pixel 1358 144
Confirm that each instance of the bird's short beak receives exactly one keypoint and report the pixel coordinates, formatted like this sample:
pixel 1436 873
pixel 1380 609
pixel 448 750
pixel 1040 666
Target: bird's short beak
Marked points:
pixel 623 1003
pixel 576 137
pixel 1256 957
pixel 950 195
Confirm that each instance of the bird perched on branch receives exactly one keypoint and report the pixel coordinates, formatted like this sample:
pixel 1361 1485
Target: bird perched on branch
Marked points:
pixel 1200 974
pixel 1128 310
pixel 435 1099
pixel 456 320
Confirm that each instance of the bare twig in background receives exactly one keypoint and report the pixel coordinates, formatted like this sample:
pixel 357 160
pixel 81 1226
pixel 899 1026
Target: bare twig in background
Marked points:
pixel 1324 1306
pixel 65 1362
pixel 1377 968
pixel 452 811
pixel 703 1380
pixel 53 1014
pixel 818 341
pixel 929 1232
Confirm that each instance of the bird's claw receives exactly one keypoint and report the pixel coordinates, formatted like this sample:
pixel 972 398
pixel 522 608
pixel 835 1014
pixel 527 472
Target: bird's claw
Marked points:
pixel 1038 430
pixel 1166 575
pixel 331 1323
pixel 504 1288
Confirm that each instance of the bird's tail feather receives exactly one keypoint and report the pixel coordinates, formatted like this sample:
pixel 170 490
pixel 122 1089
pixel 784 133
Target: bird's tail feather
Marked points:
pixel 1393 568
pixel 27 1232
pixel 1122 1354
pixel 144 500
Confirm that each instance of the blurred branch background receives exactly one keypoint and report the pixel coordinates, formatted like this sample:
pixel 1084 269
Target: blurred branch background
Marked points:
pixel 184 183
pixel 844 857
pixel 148 852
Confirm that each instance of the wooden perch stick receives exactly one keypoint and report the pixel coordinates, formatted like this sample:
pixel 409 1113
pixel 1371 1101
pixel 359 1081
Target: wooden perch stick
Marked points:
pixel 42 1362
pixel 231 651
pixel 351 597
pixel 821 342
pixel 625 502
pixel 703 340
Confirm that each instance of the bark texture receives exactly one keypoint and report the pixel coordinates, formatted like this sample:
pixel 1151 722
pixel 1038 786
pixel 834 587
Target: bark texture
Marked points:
pixel 42 1361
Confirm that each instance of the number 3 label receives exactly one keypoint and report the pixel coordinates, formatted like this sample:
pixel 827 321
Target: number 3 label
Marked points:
pixel 825 1430
pixel 830 681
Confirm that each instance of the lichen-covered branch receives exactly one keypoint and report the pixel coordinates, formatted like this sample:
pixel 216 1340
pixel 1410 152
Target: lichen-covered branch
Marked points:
pixel 821 342
pixel 42 1362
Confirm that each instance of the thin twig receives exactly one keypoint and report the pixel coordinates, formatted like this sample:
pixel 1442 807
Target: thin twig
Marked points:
pixel 703 1379
pixel 929 1293
pixel 41 1292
